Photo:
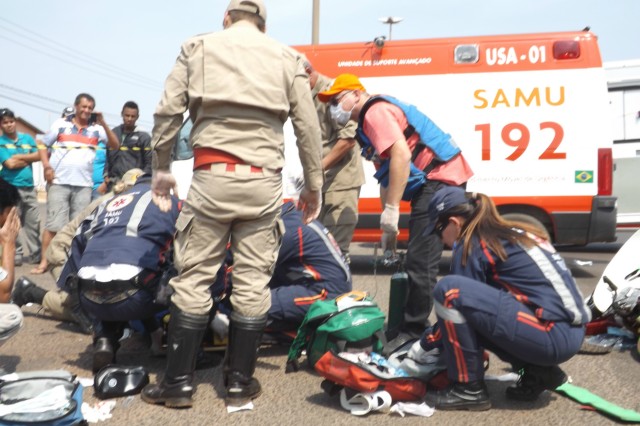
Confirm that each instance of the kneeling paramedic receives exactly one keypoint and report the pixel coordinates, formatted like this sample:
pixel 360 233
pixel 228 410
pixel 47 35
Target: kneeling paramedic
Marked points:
pixel 414 159
pixel 58 303
pixel 310 267
pixel 116 262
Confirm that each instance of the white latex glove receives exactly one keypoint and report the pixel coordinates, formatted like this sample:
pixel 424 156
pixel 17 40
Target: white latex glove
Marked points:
pixel 389 218
pixel 162 183
pixel 310 203
pixel 220 326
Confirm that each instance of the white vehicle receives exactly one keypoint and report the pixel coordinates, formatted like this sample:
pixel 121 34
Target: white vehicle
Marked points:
pixel 624 94
pixel 529 111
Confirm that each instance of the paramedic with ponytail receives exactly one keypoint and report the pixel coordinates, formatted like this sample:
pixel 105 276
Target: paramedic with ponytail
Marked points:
pixel 414 159
pixel 508 292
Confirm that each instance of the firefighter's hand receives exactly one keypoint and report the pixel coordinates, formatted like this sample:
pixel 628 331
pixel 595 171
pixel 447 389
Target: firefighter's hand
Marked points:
pixel 162 183
pixel 310 203
pixel 389 218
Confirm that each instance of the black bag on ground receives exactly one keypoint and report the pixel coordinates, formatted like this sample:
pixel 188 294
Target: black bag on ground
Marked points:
pixel 50 397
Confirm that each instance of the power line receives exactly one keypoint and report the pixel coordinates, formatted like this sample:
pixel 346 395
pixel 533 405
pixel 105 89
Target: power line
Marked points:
pixel 92 70
pixel 80 55
pixel 28 104
pixel 44 98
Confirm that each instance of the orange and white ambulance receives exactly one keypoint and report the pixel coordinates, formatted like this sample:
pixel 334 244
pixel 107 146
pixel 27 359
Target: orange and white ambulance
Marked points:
pixel 530 113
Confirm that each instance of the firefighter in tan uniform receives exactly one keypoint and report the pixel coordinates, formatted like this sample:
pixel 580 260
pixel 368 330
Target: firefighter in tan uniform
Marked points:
pixel 342 165
pixel 240 86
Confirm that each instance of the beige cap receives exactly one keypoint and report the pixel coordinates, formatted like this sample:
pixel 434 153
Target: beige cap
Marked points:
pixel 251 6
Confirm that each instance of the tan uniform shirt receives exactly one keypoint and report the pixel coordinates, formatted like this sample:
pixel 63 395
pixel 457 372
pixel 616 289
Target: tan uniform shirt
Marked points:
pixel 240 86
pixel 348 172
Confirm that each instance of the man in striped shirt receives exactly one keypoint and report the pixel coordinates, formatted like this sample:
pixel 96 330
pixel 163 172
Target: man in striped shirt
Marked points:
pixel 72 142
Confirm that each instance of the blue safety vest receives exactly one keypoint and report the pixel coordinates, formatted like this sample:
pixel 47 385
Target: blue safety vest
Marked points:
pixel 431 136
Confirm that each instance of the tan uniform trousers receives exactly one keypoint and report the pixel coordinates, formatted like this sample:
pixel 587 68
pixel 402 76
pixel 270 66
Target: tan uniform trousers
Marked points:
pixel 241 207
pixel 339 215
pixel 55 304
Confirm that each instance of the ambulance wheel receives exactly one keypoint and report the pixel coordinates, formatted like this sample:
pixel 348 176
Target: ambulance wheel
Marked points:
pixel 529 220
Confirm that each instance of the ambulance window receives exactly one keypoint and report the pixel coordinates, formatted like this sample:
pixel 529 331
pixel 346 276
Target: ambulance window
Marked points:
pixel 466 54
pixel 182 149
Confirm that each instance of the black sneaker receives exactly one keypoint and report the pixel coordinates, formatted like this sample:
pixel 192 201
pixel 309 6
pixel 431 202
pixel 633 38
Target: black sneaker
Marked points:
pixel 461 396
pixel 535 379
pixel 17 260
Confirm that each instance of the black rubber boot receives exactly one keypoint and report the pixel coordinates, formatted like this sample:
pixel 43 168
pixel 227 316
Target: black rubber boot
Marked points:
pixel 472 396
pixel 185 338
pixel 245 335
pixel 104 353
pixel 26 291
pixel 106 344
pixel 535 379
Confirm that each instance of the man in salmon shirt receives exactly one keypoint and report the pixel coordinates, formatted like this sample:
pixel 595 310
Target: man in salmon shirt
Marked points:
pixel 414 159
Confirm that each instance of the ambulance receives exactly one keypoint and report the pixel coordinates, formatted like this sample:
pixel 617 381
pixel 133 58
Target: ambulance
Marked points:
pixel 529 111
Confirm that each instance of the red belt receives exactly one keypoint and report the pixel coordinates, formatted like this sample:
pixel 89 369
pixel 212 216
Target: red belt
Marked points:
pixel 204 157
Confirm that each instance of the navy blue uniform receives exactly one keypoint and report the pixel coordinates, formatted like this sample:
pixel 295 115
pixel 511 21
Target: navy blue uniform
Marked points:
pixel 526 309
pixel 310 267
pixel 127 229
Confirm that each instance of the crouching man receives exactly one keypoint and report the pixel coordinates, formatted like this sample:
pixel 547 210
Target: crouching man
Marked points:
pixel 116 262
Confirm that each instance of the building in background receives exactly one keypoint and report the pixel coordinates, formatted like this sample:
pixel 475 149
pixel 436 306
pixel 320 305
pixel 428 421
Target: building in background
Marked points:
pixel 623 80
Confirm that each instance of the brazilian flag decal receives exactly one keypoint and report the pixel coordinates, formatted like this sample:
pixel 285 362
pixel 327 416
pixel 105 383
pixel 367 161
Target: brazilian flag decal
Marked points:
pixel 584 176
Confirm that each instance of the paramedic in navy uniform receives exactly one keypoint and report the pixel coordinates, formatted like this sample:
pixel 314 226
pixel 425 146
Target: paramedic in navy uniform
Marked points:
pixel 310 267
pixel 508 292
pixel 117 256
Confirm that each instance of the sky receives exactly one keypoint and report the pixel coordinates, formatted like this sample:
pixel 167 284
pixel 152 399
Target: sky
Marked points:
pixel 120 50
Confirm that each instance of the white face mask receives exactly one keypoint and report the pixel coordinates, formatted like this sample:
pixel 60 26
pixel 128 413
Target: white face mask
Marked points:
pixel 339 115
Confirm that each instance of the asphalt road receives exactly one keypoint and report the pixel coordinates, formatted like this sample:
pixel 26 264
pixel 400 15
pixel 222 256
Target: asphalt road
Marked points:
pixel 297 398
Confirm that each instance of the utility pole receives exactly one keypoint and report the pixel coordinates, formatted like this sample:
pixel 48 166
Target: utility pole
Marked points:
pixel 315 22
pixel 390 20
